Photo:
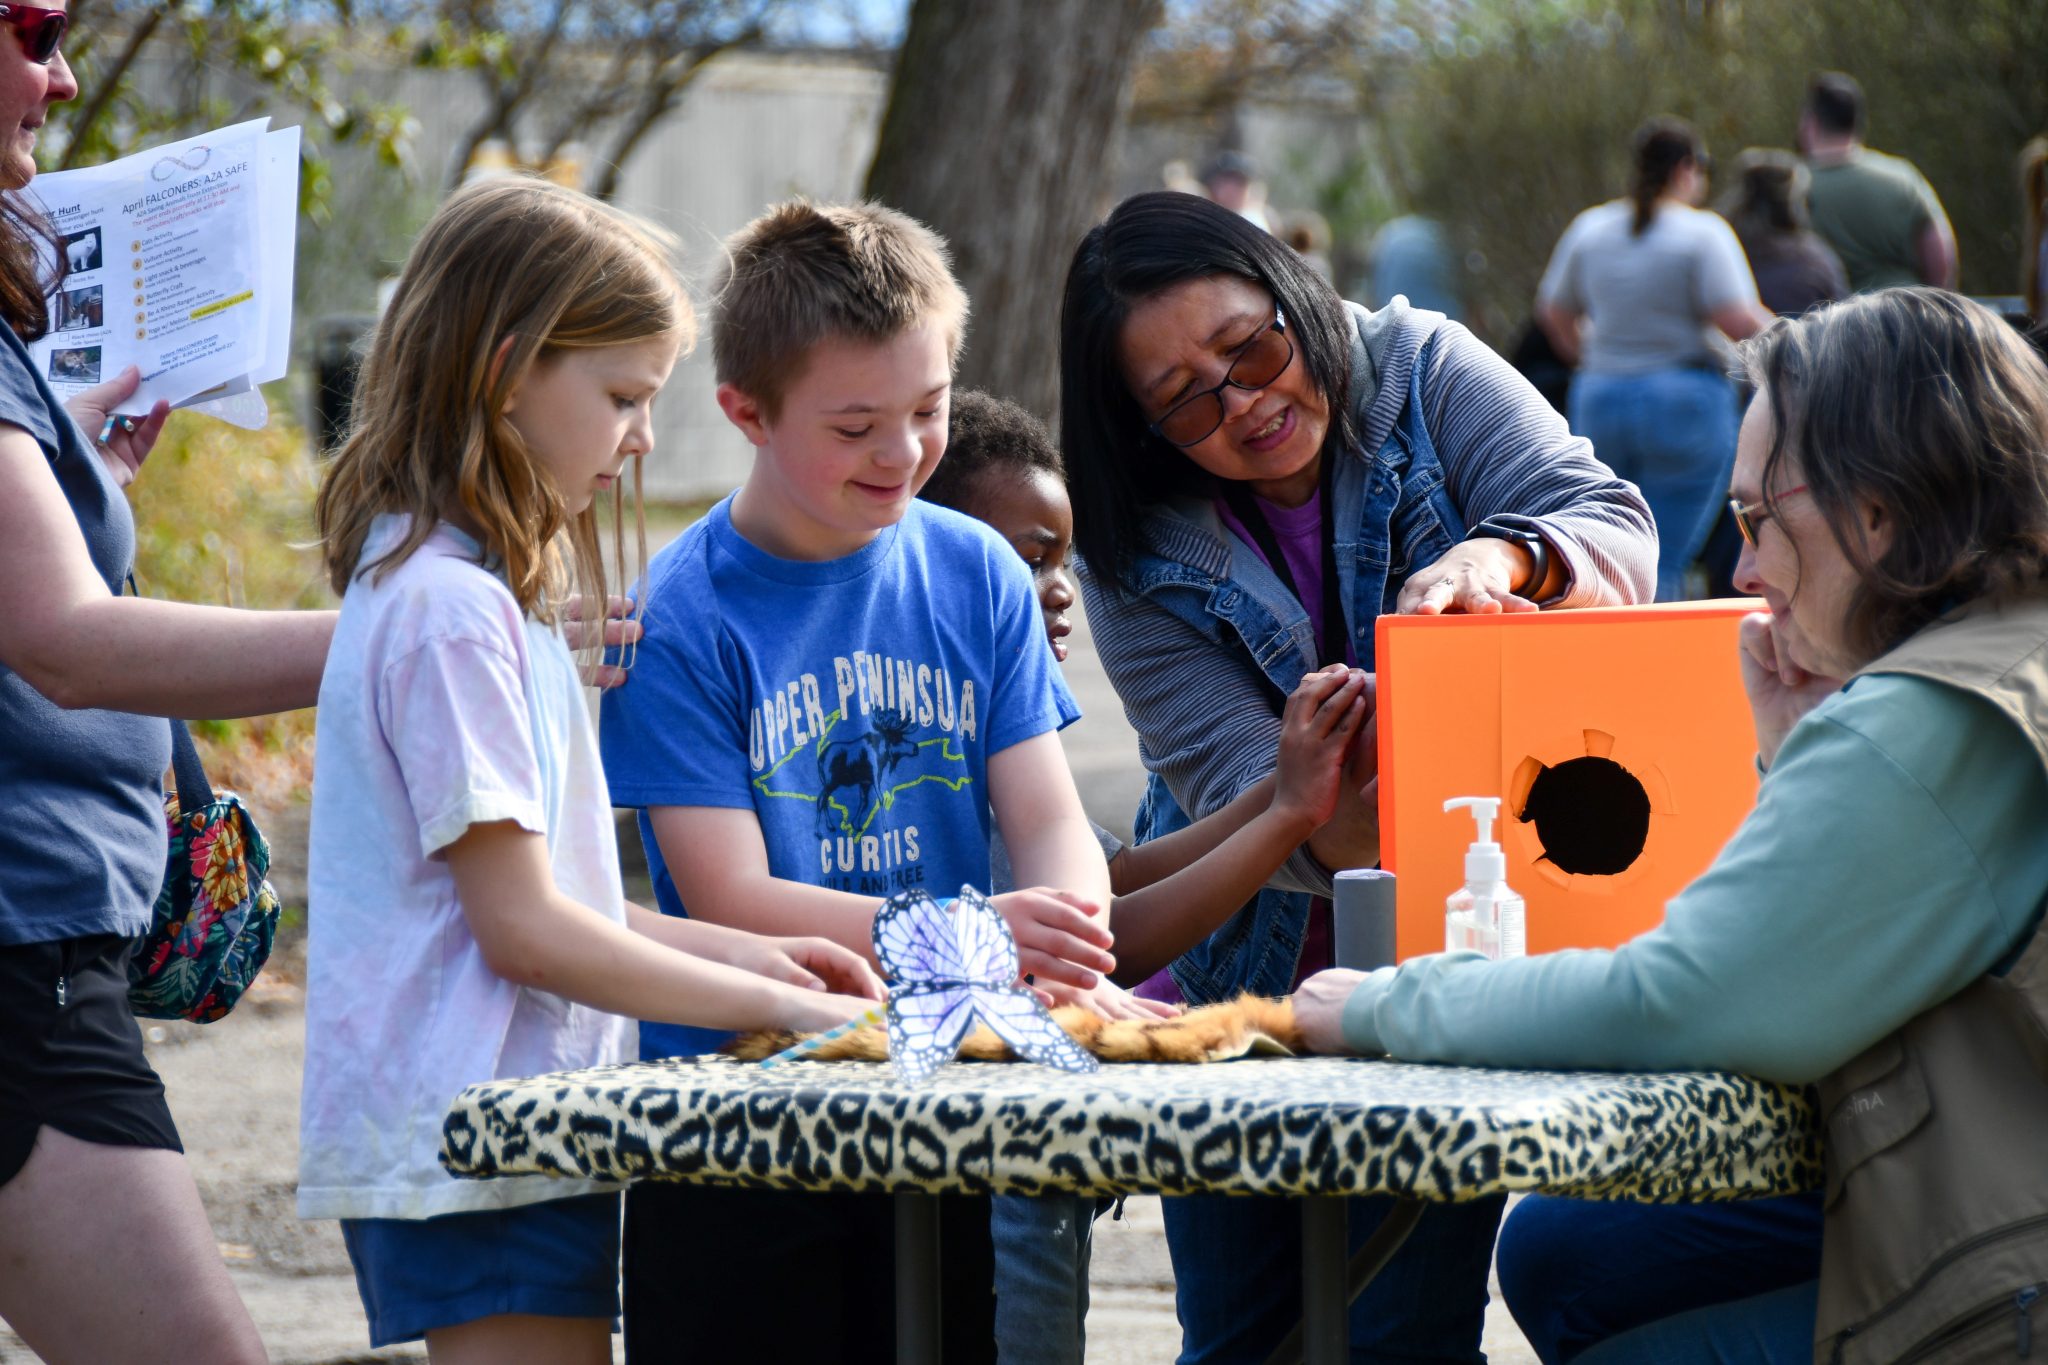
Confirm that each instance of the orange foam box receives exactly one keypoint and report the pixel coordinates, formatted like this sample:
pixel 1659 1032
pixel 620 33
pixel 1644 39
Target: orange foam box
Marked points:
pixel 1617 738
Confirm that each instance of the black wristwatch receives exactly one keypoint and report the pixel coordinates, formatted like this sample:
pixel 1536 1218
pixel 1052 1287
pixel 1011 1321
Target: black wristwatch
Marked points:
pixel 1539 552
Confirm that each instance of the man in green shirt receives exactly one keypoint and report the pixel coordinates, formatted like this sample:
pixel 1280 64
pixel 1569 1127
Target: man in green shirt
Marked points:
pixel 1877 211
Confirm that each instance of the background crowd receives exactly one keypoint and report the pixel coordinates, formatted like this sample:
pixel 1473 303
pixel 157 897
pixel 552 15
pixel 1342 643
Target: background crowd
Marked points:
pixel 1632 327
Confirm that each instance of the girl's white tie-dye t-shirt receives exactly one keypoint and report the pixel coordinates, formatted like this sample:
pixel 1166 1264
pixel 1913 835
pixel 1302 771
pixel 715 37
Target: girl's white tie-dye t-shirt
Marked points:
pixel 442 707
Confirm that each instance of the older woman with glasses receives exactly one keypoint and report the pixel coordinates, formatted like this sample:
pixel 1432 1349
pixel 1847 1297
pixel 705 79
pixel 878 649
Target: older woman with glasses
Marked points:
pixel 1259 470
pixel 1873 928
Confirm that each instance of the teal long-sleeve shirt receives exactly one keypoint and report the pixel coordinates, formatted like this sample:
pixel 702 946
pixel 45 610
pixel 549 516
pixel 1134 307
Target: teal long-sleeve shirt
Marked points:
pixel 1898 850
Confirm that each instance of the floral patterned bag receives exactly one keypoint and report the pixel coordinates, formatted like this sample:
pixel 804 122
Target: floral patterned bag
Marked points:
pixel 216 916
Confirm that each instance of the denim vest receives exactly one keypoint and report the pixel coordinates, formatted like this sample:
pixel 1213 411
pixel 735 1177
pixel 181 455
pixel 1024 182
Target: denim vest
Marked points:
pixel 1392 515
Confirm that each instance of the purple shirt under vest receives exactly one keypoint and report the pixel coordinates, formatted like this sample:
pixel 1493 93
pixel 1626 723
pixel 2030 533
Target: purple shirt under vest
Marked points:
pixel 1298 531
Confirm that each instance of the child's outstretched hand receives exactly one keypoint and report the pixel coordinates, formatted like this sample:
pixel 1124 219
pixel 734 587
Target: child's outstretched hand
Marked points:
pixel 1322 718
pixel 816 1011
pixel 815 964
pixel 1106 999
pixel 617 630
pixel 1060 938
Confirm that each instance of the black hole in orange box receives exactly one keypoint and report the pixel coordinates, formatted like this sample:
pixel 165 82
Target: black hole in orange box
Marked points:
pixel 1592 816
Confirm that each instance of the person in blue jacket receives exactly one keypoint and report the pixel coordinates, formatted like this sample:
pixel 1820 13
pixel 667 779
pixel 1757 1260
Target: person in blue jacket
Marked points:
pixel 1258 470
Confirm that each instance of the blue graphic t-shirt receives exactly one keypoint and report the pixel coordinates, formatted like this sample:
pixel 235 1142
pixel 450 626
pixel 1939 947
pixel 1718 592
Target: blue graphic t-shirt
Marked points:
pixel 851 704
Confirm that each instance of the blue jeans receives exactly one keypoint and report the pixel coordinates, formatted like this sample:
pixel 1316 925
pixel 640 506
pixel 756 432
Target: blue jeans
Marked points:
pixel 1769 1329
pixel 1237 1280
pixel 1576 1273
pixel 1671 433
pixel 1041 1250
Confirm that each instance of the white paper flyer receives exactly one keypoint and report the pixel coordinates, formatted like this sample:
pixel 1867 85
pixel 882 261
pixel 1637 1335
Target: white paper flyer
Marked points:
pixel 178 260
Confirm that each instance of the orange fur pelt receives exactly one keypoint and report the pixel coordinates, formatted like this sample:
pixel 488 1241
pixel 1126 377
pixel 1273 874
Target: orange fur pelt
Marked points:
pixel 1210 1033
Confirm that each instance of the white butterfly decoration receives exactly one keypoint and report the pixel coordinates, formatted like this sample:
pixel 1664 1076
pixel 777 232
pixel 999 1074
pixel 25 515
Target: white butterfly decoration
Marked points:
pixel 949 968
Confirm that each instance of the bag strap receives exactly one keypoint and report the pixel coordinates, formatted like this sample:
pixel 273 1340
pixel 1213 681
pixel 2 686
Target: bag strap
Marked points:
pixel 194 791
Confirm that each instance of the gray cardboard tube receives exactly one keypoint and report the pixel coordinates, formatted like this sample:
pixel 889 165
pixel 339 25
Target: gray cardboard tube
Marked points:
pixel 1363 915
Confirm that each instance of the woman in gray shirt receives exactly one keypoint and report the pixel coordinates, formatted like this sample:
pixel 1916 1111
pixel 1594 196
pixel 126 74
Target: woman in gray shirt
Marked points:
pixel 105 1253
pixel 1634 294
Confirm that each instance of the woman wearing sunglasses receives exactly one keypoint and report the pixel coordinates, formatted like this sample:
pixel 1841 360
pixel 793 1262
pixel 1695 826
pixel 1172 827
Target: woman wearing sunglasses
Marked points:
pixel 1259 470
pixel 1874 926
pixel 105 1252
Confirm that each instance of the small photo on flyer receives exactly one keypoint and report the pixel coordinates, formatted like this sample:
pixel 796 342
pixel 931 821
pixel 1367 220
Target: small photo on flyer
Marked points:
pixel 76 365
pixel 80 308
pixel 82 250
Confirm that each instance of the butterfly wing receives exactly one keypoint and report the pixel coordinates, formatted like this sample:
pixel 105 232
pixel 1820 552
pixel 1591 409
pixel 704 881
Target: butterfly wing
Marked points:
pixel 947 967
pixel 1015 1016
pixel 988 950
pixel 915 939
pixel 926 1025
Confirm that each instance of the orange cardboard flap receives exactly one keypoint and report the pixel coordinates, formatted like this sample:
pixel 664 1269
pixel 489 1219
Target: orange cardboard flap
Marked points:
pixel 1618 739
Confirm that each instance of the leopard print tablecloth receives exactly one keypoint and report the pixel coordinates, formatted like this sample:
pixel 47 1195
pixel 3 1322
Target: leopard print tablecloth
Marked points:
pixel 1285 1126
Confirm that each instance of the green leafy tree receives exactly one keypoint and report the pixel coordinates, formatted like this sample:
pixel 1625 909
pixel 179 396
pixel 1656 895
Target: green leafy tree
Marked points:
pixel 1508 119
pixel 1503 118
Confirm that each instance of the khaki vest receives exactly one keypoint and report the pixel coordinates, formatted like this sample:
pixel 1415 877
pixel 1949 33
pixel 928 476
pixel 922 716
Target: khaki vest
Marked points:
pixel 1936 1242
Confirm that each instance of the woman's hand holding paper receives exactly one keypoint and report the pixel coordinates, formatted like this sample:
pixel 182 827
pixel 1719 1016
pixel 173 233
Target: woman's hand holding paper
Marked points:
pixel 122 442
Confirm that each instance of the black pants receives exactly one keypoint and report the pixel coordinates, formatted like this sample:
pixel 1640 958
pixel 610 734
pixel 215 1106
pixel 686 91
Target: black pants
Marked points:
pixel 715 1275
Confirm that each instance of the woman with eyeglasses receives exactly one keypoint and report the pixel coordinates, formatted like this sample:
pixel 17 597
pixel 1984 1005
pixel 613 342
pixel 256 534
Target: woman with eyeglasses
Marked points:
pixel 1259 470
pixel 1873 928
pixel 105 1251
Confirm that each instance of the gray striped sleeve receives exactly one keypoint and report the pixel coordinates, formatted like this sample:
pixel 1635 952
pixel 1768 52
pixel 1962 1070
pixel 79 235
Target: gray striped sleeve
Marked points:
pixel 1508 455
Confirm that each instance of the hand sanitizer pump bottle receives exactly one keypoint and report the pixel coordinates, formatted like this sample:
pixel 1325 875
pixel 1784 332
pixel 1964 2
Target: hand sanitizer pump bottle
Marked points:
pixel 1483 915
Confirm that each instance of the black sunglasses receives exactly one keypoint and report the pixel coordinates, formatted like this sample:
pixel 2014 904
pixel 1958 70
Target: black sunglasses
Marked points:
pixel 1258 363
pixel 41 30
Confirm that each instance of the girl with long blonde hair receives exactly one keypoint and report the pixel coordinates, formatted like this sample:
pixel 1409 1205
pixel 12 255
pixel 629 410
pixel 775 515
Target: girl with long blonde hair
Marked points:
pixel 467 919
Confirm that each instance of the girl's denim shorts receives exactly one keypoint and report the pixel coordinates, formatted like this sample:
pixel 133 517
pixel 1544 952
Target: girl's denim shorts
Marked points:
pixel 557 1259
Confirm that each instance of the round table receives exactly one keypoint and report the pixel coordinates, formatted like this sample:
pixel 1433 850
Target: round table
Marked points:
pixel 1295 1126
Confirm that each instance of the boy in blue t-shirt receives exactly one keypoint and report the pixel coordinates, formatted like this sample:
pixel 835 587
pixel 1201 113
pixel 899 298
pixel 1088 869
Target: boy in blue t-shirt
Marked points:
pixel 838 686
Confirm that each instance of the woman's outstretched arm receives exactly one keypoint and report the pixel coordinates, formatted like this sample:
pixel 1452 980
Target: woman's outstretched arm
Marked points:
pixel 1894 857
pixel 82 646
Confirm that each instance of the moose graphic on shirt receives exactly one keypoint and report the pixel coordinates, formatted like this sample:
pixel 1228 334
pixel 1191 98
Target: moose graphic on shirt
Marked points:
pixel 851 743
pixel 850 769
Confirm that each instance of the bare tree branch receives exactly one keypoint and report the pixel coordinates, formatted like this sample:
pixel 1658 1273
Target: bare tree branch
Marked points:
pixel 509 82
pixel 81 125
pixel 607 100
pixel 661 95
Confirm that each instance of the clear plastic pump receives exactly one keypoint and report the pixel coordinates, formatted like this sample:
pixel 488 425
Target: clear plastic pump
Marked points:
pixel 1484 915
